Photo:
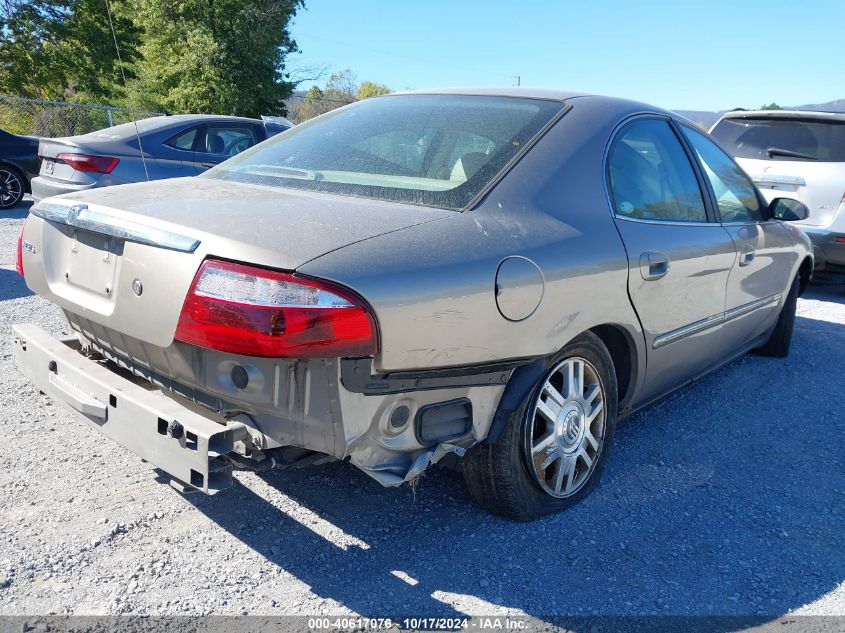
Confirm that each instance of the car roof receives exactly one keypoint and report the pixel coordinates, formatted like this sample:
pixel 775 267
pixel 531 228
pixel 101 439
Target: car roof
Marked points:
pixel 818 115
pixel 182 118
pixel 524 92
pixel 156 123
pixel 499 91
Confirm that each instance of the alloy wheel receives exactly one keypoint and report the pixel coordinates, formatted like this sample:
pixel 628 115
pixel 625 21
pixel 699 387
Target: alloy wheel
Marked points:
pixel 11 188
pixel 566 428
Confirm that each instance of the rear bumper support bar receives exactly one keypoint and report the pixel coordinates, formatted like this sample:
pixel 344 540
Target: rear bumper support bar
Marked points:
pixel 179 441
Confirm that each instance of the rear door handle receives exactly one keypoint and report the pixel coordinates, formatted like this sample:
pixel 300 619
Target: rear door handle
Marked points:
pixel 746 255
pixel 654 265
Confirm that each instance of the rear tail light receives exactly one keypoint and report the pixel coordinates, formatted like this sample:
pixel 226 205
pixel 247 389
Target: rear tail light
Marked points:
pixel 840 240
pixel 256 312
pixel 84 162
pixel 19 252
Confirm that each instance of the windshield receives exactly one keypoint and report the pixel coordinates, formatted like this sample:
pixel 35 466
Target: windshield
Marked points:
pixel 435 150
pixel 783 139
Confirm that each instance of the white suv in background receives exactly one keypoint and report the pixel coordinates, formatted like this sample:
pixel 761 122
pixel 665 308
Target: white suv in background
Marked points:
pixel 797 154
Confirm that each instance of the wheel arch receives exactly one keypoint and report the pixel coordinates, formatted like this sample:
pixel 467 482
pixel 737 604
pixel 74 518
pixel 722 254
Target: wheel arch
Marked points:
pixel 623 351
pixel 805 274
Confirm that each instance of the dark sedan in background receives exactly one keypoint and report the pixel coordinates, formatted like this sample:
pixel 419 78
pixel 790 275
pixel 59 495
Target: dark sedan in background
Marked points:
pixel 172 146
pixel 18 166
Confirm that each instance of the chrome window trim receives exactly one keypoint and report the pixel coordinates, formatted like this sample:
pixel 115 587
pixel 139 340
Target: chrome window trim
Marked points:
pixel 664 222
pixel 81 217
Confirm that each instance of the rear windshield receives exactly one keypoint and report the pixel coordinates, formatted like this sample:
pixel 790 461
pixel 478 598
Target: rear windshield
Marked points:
pixel 435 150
pixel 128 130
pixel 783 139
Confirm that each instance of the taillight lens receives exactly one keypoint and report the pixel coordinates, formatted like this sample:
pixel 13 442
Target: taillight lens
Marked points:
pixel 19 252
pixel 256 312
pixel 84 162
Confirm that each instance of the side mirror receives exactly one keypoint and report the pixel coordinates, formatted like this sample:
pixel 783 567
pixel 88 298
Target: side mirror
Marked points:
pixel 789 209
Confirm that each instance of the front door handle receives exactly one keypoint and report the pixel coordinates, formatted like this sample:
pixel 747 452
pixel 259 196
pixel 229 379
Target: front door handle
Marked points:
pixel 654 265
pixel 746 255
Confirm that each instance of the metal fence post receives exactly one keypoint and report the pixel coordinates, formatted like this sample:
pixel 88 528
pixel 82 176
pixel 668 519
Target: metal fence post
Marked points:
pixel 111 118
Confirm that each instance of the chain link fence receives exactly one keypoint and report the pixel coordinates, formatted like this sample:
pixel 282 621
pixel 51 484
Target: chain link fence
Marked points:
pixel 37 117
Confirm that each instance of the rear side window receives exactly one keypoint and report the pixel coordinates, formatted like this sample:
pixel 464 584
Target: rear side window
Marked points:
pixel 651 177
pixel 783 139
pixel 184 140
pixel 735 194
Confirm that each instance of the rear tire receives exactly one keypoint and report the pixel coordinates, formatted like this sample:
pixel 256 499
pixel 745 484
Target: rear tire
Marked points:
pixel 778 344
pixel 12 187
pixel 539 466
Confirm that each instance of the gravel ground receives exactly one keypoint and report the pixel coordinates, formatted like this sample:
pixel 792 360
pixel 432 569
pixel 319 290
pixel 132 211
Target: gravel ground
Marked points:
pixel 725 499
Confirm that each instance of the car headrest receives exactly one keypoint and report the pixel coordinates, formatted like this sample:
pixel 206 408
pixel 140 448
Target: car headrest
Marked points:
pixel 468 165
pixel 215 144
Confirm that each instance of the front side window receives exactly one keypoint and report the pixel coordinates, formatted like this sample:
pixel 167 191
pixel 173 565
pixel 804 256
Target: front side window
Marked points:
pixel 788 138
pixel 436 150
pixel 735 194
pixel 651 177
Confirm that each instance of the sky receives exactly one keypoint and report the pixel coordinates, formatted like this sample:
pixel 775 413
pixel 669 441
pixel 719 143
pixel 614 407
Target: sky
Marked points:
pixel 705 55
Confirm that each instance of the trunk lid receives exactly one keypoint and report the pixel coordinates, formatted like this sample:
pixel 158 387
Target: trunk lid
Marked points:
pixel 819 185
pixel 49 149
pixel 124 257
pixel 99 143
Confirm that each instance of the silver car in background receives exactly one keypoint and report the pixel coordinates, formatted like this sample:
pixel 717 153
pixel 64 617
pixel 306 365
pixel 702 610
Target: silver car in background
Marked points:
pixel 489 277
pixel 796 154
pixel 173 146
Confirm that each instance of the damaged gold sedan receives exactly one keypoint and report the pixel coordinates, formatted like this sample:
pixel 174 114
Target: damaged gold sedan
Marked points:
pixel 495 275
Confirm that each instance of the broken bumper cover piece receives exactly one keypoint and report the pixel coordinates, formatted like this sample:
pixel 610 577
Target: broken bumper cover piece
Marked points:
pixel 182 443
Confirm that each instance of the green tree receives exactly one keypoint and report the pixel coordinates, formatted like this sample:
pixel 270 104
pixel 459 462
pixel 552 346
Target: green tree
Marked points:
pixel 340 89
pixel 64 49
pixel 770 106
pixel 215 56
pixel 371 89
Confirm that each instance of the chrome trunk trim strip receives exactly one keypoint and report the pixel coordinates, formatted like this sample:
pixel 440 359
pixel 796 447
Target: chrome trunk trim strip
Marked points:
pixel 81 217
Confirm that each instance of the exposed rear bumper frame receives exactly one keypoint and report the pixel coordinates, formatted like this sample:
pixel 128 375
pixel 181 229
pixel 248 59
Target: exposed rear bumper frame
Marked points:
pixel 186 445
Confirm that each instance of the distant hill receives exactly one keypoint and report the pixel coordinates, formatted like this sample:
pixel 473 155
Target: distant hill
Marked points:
pixel 706 119
pixel 838 105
